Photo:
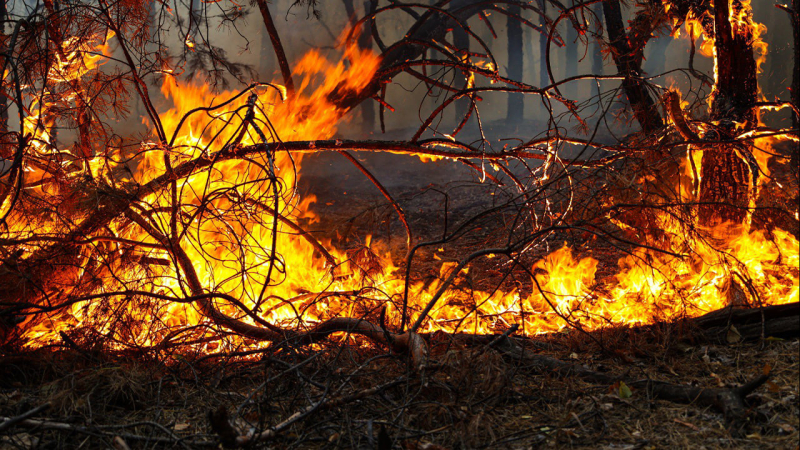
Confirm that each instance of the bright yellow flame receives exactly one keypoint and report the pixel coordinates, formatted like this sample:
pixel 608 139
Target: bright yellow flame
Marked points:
pixel 228 215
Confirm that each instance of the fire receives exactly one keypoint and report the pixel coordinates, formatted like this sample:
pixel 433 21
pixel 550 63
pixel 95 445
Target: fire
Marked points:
pixel 234 223
pixel 81 55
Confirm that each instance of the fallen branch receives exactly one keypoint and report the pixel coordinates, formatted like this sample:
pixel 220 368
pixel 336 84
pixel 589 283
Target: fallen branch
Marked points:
pixel 218 422
pixel 10 422
pixel 780 321
pixel 72 428
pixel 48 269
pixel 728 401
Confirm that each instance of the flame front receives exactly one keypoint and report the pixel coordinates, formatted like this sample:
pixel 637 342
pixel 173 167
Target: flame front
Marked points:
pixel 234 221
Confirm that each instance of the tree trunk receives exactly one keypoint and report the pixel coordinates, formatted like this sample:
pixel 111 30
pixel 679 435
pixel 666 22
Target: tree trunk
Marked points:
pixel 544 79
pixel 516 101
pixel 796 79
pixel 3 100
pixel 628 61
pixel 736 88
pixel 367 108
pixel 727 185
pixel 286 72
pixel 461 42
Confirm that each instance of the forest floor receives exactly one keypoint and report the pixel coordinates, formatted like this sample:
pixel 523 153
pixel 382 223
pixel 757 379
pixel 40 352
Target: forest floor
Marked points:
pixel 352 394
pixel 472 398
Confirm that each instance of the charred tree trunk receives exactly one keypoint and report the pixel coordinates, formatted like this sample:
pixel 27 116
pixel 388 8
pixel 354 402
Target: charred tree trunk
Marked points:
pixel 367 108
pixel 544 78
pixel 796 78
pixel 516 103
pixel 727 184
pixel 3 100
pixel 628 60
pixel 736 89
pixel 277 45
pixel 461 42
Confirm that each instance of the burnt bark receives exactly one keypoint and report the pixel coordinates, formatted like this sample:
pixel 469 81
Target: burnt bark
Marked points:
pixel 628 59
pixel 727 180
pixel 544 78
pixel 3 99
pixel 736 88
pixel 461 43
pixel 733 323
pixel 597 54
pixel 286 72
pixel 795 15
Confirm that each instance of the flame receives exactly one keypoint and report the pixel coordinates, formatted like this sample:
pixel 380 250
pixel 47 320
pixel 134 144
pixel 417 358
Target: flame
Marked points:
pixel 230 230
pixel 81 56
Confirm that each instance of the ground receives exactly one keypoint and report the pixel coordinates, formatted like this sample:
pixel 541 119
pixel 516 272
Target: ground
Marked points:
pixel 470 396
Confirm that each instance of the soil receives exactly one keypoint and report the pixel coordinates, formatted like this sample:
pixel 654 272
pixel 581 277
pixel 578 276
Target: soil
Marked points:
pixel 469 397
pixel 474 398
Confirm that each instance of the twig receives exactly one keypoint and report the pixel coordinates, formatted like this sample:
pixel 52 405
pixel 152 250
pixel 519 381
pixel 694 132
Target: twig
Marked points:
pixel 271 433
pixel 10 422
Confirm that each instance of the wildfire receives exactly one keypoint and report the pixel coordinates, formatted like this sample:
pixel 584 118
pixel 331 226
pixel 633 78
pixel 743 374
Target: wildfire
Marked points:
pixel 234 223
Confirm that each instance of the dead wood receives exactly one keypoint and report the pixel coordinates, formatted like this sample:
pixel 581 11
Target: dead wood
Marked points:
pixel 745 323
pixel 11 421
pixel 735 323
pixel 386 195
pixel 52 268
pixel 41 425
pixel 728 401
pixel 119 444
pixel 672 104
pixel 286 71
pixel 724 326
pixel 628 58
pixel 324 403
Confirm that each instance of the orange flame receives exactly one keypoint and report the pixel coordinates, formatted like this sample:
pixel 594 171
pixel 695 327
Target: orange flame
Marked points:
pixel 230 231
